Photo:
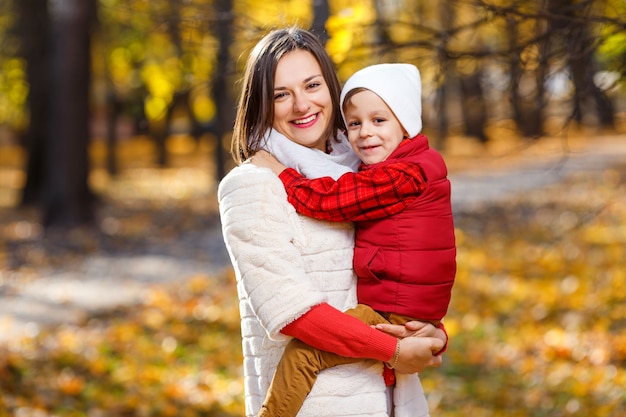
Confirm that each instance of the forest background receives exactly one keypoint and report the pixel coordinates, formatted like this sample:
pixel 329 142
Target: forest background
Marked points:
pixel 115 117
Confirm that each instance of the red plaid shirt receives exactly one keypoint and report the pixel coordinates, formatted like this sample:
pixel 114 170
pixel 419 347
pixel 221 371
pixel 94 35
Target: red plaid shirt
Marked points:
pixel 372 193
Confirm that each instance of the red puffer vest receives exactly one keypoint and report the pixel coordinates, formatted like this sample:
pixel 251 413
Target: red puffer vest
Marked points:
pixel 406 263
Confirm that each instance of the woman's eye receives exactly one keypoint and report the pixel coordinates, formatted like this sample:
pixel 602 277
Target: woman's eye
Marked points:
pixel 278 96
pixel 314 83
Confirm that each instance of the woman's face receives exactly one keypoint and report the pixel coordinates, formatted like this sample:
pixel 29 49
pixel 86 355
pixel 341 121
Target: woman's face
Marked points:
pixel 302 104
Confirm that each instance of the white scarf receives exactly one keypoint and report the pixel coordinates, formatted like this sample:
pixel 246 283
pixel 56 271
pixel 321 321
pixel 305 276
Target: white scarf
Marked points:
pixel 312 163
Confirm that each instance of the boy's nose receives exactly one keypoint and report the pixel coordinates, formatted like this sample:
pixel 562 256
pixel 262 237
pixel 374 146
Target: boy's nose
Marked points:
pixel 365 130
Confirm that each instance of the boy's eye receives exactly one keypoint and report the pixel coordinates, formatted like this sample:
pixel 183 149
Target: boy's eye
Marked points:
pixel 353 123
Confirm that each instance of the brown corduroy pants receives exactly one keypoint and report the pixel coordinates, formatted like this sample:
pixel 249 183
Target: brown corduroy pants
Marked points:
pixel 298 368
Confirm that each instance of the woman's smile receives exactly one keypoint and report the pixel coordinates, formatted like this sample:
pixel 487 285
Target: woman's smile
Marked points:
pixel 306 120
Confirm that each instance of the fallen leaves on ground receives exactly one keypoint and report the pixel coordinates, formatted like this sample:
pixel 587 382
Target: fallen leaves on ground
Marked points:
pixel 538 316
pixel 537 325
pixel 178 354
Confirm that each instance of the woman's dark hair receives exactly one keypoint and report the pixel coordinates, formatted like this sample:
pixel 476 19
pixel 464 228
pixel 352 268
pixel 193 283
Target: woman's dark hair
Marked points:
pixel 255 108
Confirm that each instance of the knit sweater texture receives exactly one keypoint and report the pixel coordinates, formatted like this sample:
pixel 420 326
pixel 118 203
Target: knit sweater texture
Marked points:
pixel 284 264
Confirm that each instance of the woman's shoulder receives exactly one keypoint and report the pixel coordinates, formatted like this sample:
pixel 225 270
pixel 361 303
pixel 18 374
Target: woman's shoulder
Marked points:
pixel 247 176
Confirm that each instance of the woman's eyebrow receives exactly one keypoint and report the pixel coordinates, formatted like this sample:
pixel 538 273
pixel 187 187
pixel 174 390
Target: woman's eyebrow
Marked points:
pixel 312 77
pixel 306 80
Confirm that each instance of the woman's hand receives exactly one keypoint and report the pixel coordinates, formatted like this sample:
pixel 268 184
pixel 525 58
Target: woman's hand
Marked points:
pixel 417 353
pixel 264 159
pixel 418 330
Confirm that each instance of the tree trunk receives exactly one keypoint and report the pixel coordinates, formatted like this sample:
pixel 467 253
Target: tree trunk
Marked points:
pixel 161 129
pixel 321 12
pixel 224 103
pixel 68 199
pixel 446 18
pixel 381 34
pixel 473 106
pixel 581 62
pixel 538 100
pixel 528 108
pixel 514 70
pixel 33 28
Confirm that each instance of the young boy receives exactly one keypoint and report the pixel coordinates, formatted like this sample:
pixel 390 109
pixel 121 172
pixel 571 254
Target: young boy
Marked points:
pixel 404 255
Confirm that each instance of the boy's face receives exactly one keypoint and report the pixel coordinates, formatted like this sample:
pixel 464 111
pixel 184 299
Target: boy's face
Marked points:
pixel 373 130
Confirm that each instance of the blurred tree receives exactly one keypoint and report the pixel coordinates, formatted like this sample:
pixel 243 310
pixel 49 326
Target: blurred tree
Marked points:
pixel 120 43
pixel 155 57
pixel 460 46
pixel 469 69
pixel 612 38
pixel 526 67
pixel 382 28
pixel 222 94
pixel 114 108
pixel 34 28
pixel 321 13
pixel 180 98
pixel 473 106
pixel 68 199
pixel 446 19
pixel 570 25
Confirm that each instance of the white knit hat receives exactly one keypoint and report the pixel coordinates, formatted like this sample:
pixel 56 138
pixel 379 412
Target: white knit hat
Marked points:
pixel 400 88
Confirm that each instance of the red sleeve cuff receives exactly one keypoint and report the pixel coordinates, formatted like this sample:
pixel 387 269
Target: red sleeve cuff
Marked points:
pixel 289 175
pixel 327 328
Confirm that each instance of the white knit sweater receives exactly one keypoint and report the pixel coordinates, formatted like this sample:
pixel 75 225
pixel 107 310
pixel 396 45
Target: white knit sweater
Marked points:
pixel 285 264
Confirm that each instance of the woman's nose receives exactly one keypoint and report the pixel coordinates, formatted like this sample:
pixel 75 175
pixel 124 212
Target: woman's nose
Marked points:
pixel 300 104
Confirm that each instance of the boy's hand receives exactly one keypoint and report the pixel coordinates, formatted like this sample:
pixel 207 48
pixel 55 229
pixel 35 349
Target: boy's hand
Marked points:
pixel 264 159
pixel 416 329
pixel 411 328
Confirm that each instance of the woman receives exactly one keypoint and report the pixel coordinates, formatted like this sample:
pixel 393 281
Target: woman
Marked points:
pixel 294 274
